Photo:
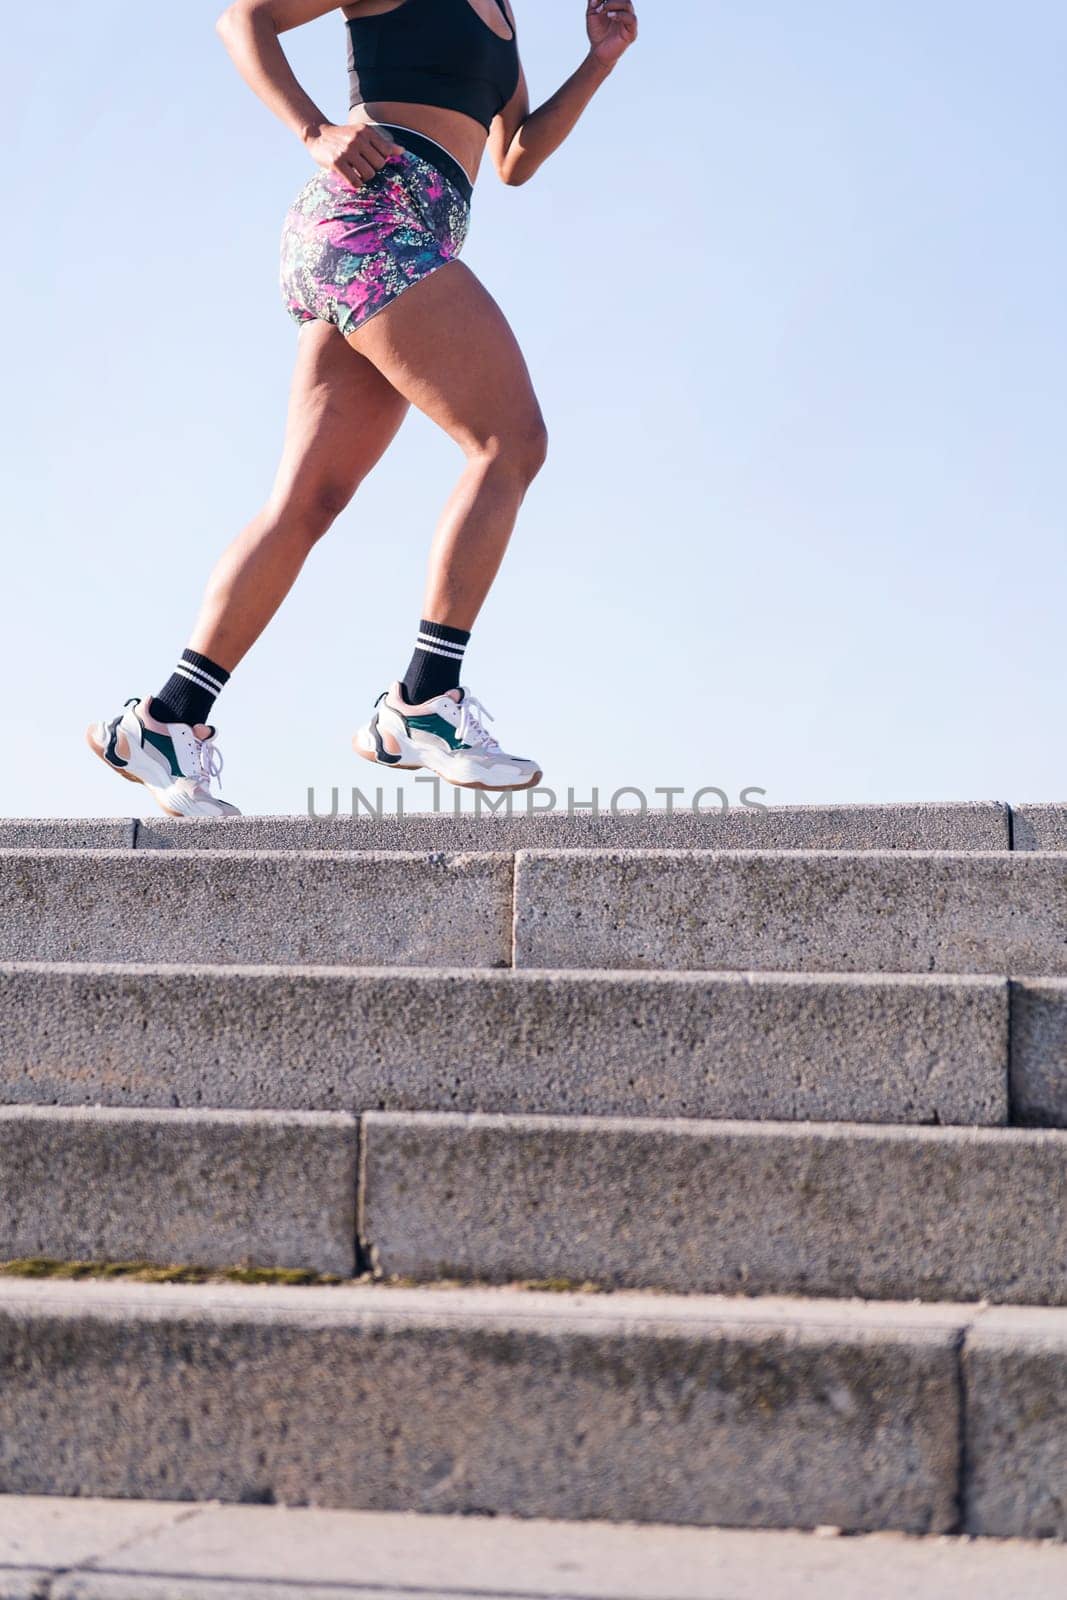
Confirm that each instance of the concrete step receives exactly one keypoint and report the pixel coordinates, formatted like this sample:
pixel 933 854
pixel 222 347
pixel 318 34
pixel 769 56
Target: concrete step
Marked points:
pixel 1014 1368
pixel 621 1408
pixel 68 833
pixel 1039 1052
pixel 853 1048
pixel 1039 827
pixel 206 1188
pixel 57 1549
pixel 843 1210
pixel 967 826
pixel 719 1208
pixel 813 911
pixel 810 911
pixel 979 825
pixel 281 906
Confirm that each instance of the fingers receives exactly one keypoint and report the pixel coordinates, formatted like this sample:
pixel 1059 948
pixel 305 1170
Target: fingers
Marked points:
pixel 366 162
pixel 367 153
pixel 359 152
pixel 383 142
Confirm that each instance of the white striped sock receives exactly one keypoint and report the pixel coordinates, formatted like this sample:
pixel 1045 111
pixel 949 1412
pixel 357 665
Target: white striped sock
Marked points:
pixel 196 675
pixel 439 647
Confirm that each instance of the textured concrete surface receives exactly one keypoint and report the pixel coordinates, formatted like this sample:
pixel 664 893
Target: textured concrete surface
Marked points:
pixel 48 1534
pixel 211 1188
pixel 1039 827
pixel 896 1049
pixel 284 1552
pixel 1039 1052
pixel 810 911
pixel 67 833
pixel 1015 1378
pixel 652 1409
pixel 930 1213
pixel 296 906
pixel 962 826
pixel 24 1583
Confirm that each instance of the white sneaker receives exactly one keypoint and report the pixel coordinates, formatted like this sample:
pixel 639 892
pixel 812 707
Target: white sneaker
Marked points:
pixel 176 767
pixel 445 734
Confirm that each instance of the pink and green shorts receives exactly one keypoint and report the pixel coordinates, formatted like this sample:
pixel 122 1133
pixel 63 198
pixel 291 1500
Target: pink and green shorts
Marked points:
pixel 348 252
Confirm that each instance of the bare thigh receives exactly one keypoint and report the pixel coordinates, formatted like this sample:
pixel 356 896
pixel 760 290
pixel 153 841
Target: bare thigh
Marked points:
pixel 343 415
pixel 446 346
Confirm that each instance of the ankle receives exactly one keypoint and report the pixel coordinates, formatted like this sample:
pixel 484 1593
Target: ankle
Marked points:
pixel 434 668
pixel 201 730
pixel 189 693
pixel 144 711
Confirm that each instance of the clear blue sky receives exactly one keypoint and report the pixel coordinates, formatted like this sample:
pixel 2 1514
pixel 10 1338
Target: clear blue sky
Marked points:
pixel 793 299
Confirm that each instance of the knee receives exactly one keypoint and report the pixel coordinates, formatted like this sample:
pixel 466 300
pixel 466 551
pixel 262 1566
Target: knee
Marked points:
pixel 310 512
pixel 535 449
pixel 520 451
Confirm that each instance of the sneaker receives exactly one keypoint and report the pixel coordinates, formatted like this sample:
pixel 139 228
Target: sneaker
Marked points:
pixel 445 734
pixel 175 766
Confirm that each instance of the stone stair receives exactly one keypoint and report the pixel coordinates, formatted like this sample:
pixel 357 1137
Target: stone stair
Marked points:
pixel 791 1084
pixel 79 1549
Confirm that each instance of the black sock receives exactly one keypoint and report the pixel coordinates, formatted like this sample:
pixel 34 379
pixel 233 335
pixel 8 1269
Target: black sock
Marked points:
pixel 189 693
pixel 435 665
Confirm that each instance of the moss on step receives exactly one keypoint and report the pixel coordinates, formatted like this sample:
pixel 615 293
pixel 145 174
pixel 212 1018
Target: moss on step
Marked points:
pixel 294 1277
pixel 155 1272
pixel 541 1285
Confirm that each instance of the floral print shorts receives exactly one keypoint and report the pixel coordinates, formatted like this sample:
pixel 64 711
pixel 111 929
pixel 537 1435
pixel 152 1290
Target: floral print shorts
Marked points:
pixel 348 252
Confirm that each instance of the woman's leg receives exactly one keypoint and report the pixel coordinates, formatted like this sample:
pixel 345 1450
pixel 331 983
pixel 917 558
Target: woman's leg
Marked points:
pixel 343 414
pixel 445 346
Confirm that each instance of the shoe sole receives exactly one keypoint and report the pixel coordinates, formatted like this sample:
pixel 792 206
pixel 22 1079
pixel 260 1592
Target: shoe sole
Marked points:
pixel 491 788
pixel 419 766
pixel 131 777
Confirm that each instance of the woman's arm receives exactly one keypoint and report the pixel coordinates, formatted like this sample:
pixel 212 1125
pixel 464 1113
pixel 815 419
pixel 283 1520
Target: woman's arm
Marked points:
pixel 249 30
pixel 521 139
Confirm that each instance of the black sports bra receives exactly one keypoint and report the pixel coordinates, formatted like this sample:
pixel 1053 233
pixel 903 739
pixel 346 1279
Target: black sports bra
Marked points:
pixel 433 53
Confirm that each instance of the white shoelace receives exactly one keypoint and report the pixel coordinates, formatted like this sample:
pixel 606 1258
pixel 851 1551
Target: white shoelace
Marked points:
pixel 469 727
pixel 210 759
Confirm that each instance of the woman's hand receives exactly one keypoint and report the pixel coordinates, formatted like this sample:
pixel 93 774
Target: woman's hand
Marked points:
pixel 355 151
pixel 612 28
